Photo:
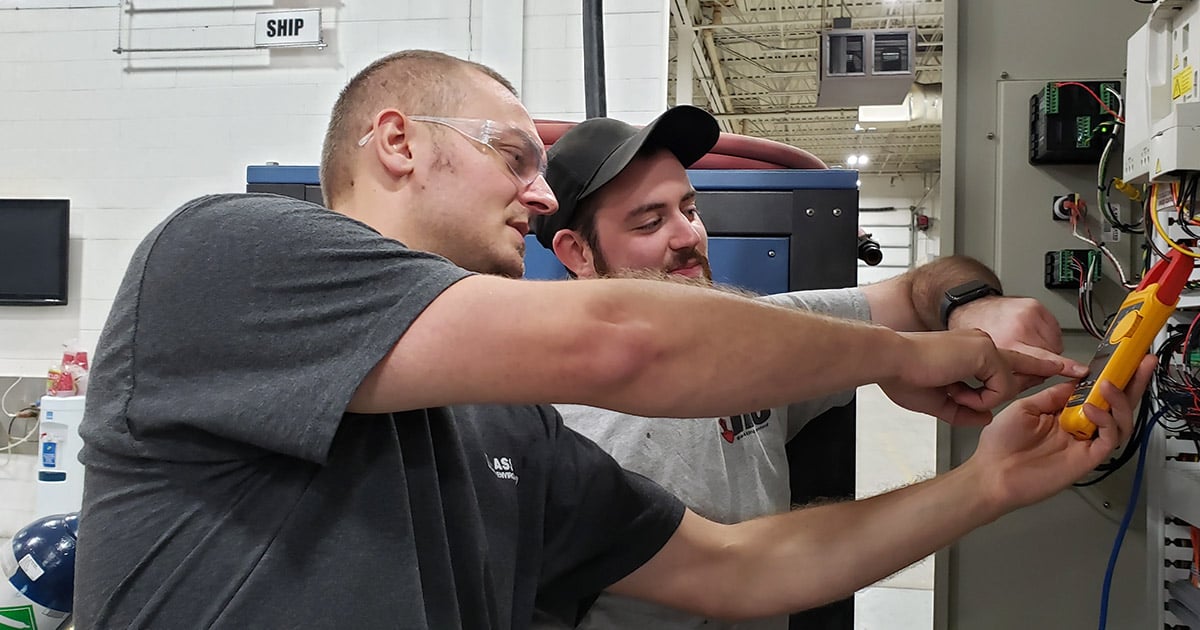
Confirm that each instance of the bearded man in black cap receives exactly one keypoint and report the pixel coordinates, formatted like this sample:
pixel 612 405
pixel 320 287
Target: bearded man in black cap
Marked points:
pixel 626 207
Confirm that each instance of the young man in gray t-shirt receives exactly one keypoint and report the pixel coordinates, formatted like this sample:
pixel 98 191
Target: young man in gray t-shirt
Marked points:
pixel 625 205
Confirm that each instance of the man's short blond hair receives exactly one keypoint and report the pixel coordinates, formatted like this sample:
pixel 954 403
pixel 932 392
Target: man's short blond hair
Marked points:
pixel 419 82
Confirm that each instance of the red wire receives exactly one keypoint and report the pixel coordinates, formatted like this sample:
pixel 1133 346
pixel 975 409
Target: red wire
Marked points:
pixel 1095 96
pixel 1088 325
pixel 1187 343
pixel 1077 209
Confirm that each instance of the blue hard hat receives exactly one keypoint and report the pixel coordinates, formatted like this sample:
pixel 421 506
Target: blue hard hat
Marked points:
pixel 44 553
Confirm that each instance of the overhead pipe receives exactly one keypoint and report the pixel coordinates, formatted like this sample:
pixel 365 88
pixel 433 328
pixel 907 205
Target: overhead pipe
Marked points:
pixel 921 106
pixel 595 101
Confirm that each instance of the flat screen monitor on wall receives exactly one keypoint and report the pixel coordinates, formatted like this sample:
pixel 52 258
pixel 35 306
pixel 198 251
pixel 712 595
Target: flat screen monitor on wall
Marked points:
pixel 34 237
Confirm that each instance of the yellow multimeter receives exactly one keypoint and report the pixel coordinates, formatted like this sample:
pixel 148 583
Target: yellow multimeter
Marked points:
pixel 1128 338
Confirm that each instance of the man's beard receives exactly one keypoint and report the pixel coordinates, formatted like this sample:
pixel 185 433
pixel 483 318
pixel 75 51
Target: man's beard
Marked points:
pixel 705 269
pixel 679 259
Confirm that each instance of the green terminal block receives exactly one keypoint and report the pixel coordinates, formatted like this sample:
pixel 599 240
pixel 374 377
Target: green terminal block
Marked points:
pixel 1050 98
pixel 1083 132
pixel 1061 274
pixel 1070 121
pixel 1106 97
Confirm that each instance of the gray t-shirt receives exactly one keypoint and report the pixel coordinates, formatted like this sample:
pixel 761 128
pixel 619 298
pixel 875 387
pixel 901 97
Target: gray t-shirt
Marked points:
pixel 725 469
pixel 226 487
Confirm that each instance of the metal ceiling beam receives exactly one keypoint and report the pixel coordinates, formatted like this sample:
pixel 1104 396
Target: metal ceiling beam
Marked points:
pixel 715 59
pixel 686 39
pixel 809 48
pixel 899 147
pixel 852 115
pixel 782 93
pixel 701 63
pixel 751 65
pixel 867 21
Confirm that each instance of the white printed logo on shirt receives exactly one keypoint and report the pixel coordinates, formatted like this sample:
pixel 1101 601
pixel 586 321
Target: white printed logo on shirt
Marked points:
pixel 502 467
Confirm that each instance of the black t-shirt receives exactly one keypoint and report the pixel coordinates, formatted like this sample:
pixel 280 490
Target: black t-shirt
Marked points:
pixel 225 487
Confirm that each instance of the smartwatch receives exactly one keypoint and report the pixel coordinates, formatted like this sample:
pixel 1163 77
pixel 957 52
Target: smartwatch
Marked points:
pixel 955 297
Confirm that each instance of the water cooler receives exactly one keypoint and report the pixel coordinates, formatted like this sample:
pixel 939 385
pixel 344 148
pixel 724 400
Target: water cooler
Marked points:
pixel 59 473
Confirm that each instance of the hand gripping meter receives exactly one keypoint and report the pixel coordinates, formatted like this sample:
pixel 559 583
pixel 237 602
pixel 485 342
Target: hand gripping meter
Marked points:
pixel 1128 338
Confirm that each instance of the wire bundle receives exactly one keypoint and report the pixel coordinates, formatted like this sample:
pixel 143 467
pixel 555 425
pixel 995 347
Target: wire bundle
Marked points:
pixel 1177 384
pixel 1184 199
pixel 10 441
pixel 1175 391
pixel 1103 181
pixel 1077 208
pixel 1085 302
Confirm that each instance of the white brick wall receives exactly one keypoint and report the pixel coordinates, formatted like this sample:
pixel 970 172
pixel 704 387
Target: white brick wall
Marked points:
pixel 129 137
pixel 635 59
pixel 17 486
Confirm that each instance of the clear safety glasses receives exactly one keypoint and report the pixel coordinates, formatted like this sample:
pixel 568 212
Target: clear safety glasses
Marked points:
pixel 520 152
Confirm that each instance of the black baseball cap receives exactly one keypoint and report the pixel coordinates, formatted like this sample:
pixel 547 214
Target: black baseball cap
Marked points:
pixel 595 151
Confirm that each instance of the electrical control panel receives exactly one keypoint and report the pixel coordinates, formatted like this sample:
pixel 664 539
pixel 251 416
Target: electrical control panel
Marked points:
pixel 1069 121
pixel 1044 210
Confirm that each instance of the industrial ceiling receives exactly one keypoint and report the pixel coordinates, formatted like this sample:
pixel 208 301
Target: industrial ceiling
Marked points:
pixel 755 64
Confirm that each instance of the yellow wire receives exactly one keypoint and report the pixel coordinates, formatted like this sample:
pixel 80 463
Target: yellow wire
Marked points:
pixel 1163 233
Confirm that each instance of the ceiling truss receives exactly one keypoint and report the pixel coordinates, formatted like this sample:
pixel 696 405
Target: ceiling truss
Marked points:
pixel 755 64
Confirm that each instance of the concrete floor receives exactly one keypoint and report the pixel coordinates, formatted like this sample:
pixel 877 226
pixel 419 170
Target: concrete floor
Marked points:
pixel 895 448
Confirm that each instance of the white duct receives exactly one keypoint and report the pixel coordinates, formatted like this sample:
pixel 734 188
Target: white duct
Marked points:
pixel 922 106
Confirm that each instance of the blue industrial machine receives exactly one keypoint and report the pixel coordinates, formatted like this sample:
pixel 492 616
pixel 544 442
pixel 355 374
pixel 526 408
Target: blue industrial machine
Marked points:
pixel 770 231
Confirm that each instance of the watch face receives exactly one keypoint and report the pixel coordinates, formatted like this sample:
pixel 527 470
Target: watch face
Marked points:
pixel 962 294
pixel 971 290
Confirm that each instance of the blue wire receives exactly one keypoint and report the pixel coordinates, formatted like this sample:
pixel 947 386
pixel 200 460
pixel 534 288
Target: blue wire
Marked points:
pixel 1133 498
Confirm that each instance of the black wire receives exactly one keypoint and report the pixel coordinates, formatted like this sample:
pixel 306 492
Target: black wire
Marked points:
pixel 1179 394
pixel 1187 199
pixel 1111 129
pixel 13 420
pixel 1170 391
pixel 1146 220
pixel 1092 309
pixel 1191 201
pixel 1140 425
pixel 1176 395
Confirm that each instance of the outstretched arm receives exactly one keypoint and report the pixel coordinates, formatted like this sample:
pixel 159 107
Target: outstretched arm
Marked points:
pixel 912 301
pixel 812 556
pixel 661 349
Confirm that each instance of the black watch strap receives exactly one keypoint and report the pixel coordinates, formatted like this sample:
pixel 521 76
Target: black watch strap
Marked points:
pixel 965 293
